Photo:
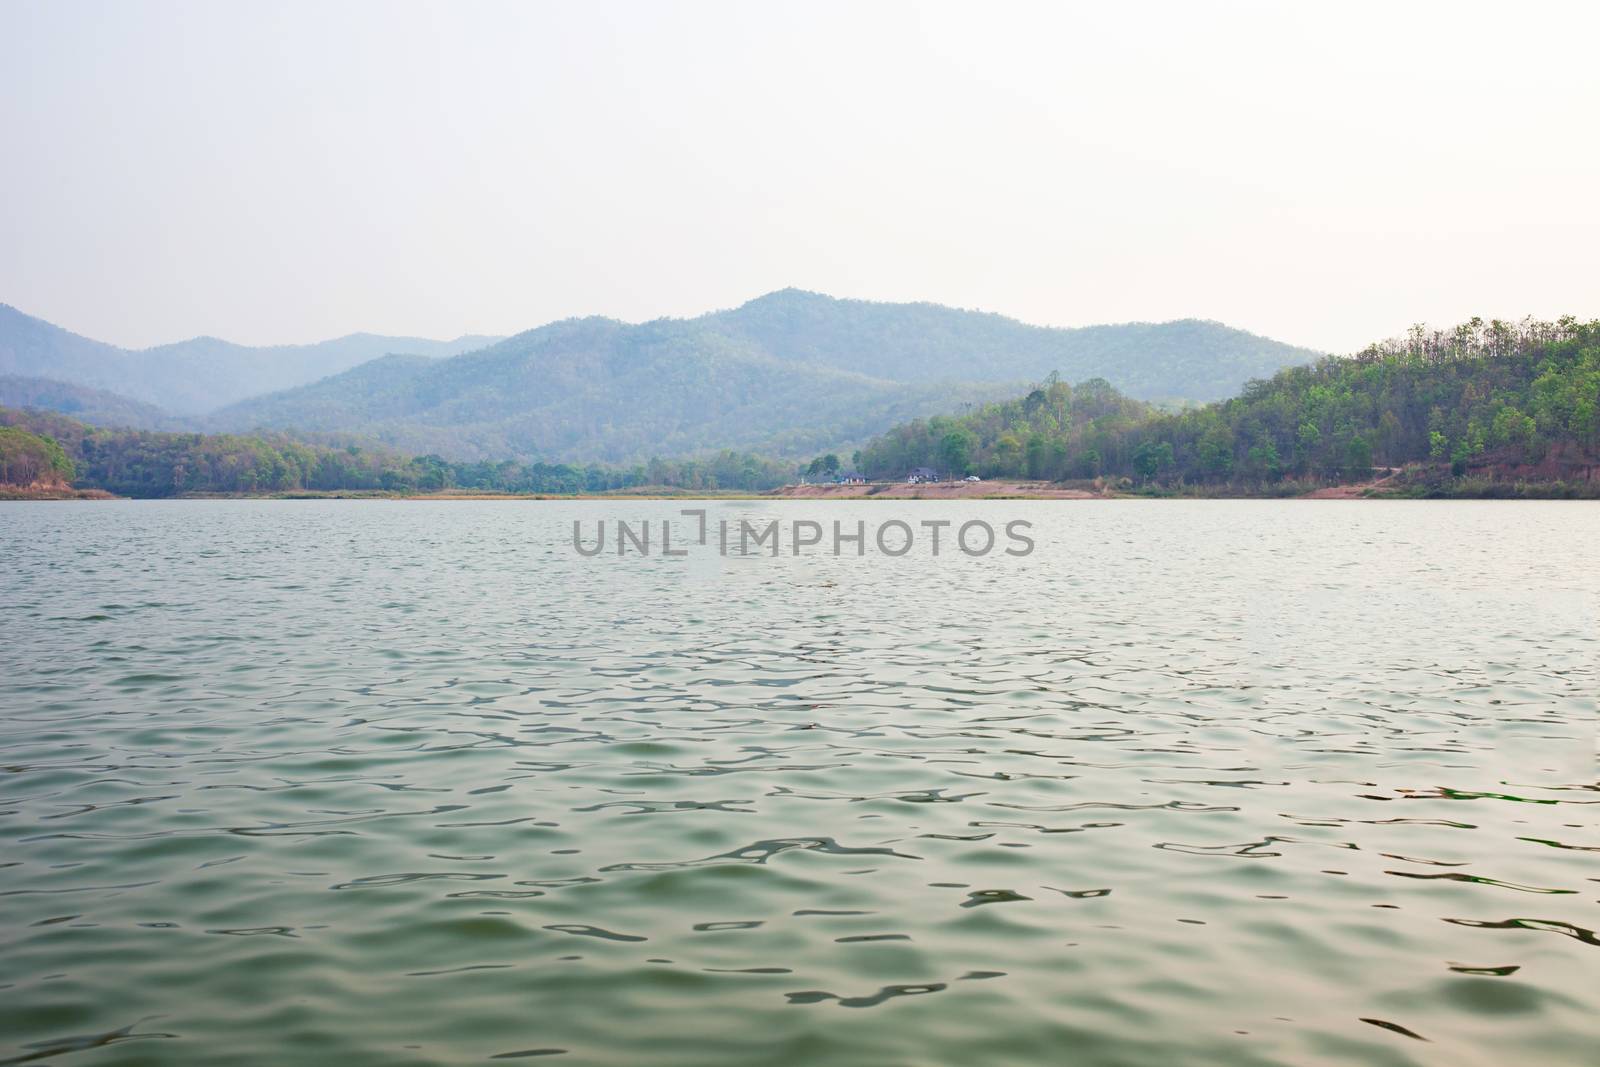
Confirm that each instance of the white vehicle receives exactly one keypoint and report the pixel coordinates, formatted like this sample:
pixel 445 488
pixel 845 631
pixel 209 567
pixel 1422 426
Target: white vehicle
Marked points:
pixel 973 478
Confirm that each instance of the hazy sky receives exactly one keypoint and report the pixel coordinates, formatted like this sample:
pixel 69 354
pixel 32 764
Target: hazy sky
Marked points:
pixel 1323 173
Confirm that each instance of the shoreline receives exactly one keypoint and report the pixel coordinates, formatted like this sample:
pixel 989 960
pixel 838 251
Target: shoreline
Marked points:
pixel 1502 491
pixel 1409 483
pixel 14 492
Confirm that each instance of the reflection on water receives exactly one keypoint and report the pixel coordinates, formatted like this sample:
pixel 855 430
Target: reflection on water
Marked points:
pixel 1200 782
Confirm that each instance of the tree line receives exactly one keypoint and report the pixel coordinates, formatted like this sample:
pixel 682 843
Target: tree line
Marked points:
pixel 144 463
pixel 1483 392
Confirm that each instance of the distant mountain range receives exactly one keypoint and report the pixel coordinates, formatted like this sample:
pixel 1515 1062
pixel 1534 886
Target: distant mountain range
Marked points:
pixel 197 375
pixel 788 373
pixel 98 407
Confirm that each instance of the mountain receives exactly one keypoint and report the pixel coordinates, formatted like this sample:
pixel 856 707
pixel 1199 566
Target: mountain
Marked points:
pixel 95 406
pixel 1189 359
pixel 788 373
pixel 197 375
pixel 600 390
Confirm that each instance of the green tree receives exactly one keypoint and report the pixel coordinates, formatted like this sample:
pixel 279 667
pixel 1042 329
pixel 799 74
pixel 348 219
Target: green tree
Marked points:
pixel 1152 458
pixel 955 450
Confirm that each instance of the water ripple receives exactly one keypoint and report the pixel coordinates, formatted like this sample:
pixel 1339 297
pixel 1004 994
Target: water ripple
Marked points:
pixel 1237 783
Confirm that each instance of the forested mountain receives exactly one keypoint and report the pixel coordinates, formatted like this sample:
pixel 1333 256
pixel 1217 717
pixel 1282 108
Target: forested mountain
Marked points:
pixel 1189 359
pixel 197 375
pixel 600 390
pixel 1488 399
pixel 96 406
pixel 785 374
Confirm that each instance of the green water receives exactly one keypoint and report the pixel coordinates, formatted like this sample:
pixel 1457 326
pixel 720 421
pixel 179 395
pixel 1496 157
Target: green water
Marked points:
pixel 414 783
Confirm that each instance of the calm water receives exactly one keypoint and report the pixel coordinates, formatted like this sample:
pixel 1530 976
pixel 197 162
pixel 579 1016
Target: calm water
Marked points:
pixel 1200 782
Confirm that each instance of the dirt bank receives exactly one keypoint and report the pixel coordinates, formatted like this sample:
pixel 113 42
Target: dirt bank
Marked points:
pixel 51 491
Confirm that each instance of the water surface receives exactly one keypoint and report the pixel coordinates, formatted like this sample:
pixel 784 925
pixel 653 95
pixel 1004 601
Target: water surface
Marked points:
pixel 413 783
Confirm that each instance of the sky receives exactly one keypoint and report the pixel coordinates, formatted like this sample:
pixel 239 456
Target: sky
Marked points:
pixel 1324 173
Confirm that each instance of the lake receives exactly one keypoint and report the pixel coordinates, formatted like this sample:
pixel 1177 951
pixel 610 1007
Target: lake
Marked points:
pixel 1210 782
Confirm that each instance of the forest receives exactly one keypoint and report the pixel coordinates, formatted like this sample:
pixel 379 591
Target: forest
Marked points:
pixel 143 463
pixel 1514 394
pixel 1056 431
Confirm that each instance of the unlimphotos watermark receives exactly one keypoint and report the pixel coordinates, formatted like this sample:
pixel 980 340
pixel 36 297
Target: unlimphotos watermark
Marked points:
pixel 797 537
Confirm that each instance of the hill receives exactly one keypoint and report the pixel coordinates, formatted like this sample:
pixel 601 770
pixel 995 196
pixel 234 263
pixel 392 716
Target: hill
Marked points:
pixel 787 374
pixel 197 375
pixel 1485 405
pixel 599 390
pixel 97 406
